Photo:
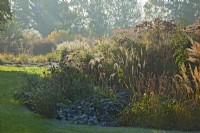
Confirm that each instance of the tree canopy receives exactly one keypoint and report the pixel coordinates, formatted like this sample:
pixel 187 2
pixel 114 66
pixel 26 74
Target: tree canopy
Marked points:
pixel 96 17
pixel 173 9
pixel 5 10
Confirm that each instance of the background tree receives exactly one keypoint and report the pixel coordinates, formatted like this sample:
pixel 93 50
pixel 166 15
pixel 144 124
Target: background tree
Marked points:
pixel 77 17
pixel 86 17
pixel 98 19
pixel 5 15
pixel 156 8
pixel 22 12
pixel 45 15
pixel 123 14
pixel 187 9
pixel 173 9
pixel 5 10
pixel 41 15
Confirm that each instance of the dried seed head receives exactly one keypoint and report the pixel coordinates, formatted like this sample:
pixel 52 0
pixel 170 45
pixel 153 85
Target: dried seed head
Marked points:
pixel 97 60
pixel 112 76
pixel 116 66
pixel 92 63
pixel 102 75
pixel 70 60
pixel 102 59
pixel 100 66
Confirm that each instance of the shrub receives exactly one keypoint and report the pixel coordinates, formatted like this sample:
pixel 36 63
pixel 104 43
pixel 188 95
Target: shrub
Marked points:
pixel 157 111
pixel 62 36
pixel 150 111
pixel 69 48
pixel 41 47
pixel 72 82
pixel 57 86
pixel 52 57
pixel 31 35
pixel 38 95
pixel 73 45
pixel 10 47
pixel 59 36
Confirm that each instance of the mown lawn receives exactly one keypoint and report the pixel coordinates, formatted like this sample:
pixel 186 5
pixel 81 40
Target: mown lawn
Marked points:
pixel 16 118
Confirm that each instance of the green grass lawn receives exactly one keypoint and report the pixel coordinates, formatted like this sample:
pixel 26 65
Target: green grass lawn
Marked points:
pixel 16 118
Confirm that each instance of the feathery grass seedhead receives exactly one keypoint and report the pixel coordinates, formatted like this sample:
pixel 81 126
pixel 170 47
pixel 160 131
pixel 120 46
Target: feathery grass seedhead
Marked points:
pixel 194 51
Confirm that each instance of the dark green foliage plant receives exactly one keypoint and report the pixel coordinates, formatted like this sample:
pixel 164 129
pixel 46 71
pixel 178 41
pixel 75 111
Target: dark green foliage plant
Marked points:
pixel 96 110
